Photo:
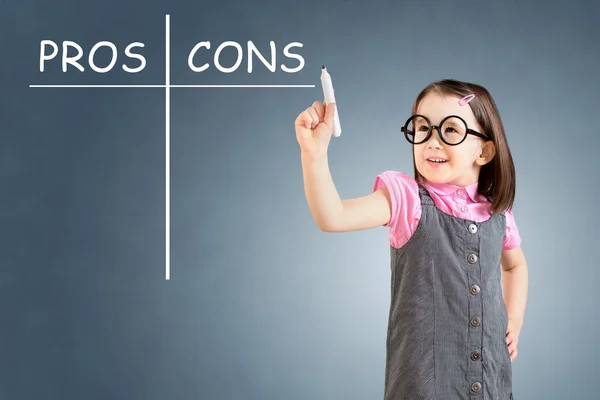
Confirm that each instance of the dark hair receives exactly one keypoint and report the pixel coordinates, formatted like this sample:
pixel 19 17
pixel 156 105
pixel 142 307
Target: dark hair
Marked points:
pixel 496 178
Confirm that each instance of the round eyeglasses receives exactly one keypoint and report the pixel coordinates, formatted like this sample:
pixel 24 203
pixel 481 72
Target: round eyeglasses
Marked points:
pixel 453 130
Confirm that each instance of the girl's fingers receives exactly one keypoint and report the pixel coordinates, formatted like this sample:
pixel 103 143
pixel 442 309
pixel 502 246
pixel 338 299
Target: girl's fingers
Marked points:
pixel 307 119
pixel 312 111
pixel 512 349
pixel 513 355
pixel 510 337
pixel 303 120
pixel 320 109
pixel 511 343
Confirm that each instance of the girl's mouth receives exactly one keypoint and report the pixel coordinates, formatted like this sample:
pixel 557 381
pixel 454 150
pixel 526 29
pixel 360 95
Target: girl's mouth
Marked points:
pixel 436 162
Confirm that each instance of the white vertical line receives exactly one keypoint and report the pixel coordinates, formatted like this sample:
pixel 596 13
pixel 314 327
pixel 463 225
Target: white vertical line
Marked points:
pixel 167 153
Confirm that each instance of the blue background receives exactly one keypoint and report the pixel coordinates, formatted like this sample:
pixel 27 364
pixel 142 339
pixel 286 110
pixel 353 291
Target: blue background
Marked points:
pixel 261 304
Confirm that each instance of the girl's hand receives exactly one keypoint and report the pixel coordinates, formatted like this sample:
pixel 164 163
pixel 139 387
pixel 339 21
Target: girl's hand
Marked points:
pixel 512 339
pixel 314 127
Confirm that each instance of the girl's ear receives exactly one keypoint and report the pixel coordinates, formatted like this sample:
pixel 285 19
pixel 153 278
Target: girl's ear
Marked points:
pixel 488 151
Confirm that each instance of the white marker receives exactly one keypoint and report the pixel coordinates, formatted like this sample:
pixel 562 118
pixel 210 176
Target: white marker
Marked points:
pixel 330 98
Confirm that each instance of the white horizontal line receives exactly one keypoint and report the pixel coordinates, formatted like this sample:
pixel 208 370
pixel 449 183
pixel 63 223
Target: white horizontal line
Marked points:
pixel 240 86
pixel 95 86
pixel 173 86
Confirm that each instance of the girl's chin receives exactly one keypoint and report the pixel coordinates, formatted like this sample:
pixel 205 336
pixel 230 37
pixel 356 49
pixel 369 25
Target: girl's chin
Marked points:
pixel 435 175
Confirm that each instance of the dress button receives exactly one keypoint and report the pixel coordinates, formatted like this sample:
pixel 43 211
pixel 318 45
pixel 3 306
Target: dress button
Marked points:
pixel 475 355
pixel 473 228
pixel 475 289
pixel 476 387
pixel 461 192
pixel 464 209
pixel 472 258
pixel 475 321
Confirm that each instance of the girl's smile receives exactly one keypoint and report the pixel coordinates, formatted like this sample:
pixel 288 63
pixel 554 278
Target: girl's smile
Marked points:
pixel 437 161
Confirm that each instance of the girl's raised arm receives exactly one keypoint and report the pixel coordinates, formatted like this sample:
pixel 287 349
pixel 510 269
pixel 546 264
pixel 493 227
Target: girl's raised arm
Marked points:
pixel 314 127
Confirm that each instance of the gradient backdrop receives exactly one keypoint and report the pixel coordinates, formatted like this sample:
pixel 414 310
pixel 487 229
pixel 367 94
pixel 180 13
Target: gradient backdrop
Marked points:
pixel 261 304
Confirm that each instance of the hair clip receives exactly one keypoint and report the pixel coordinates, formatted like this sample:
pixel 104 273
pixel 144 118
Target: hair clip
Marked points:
pixel 466 99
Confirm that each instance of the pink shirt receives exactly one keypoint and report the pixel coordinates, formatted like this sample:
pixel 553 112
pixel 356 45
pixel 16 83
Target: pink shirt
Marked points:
pixel 460 202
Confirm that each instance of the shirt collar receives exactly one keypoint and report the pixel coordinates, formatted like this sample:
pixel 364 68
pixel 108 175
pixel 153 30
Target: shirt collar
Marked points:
pixel 445 189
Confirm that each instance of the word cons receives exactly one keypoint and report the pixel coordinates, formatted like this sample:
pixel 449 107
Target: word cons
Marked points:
pixel 49 50
pixel 251 49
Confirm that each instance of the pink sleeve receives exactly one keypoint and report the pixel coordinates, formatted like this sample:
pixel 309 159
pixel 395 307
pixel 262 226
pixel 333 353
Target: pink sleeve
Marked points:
pixel 512 239
pixel 405 205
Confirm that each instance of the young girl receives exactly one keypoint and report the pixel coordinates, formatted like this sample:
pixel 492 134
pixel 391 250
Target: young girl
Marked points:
pixel 454 318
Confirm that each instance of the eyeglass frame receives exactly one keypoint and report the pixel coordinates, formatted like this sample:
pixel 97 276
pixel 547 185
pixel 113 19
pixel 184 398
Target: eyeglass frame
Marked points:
pixel 438 129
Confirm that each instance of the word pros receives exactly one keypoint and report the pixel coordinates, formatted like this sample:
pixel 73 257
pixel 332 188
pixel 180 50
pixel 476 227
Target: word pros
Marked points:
pixel 73 60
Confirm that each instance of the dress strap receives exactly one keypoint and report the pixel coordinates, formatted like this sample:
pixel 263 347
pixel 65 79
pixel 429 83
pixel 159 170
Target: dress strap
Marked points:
pixel 425 197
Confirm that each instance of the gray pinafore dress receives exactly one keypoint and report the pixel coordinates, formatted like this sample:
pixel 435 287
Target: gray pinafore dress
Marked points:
pixel 446 337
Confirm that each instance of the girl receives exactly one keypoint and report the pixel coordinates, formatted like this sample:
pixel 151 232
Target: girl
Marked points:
pixel 458 275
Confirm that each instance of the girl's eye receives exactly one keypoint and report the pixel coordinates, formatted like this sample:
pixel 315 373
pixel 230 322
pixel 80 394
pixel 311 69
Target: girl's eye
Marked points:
pixel 423 128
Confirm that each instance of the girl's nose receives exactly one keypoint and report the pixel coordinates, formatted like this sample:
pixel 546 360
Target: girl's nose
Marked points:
pixel 434 141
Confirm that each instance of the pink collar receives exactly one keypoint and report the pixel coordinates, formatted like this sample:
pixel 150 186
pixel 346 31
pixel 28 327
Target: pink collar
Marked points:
pixel 445 189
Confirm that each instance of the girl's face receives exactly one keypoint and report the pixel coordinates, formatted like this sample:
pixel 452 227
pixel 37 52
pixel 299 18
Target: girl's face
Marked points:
pixel 462 162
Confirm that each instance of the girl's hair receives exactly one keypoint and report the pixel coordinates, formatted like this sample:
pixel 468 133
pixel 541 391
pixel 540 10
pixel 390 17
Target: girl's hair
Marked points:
pixel 496 178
